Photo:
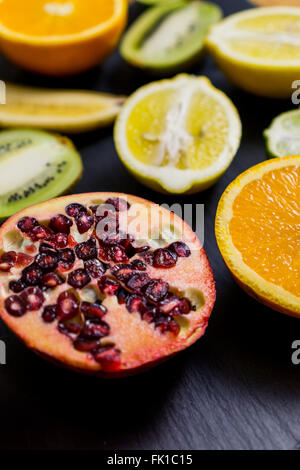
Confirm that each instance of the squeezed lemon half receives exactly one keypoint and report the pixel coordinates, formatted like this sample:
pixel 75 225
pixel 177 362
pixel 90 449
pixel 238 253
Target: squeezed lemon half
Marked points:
pixel 178 135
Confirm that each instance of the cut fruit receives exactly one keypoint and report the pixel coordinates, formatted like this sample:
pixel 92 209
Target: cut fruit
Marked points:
pixel 259 49
pixel 178 136
pixel 60 110
pixel 156 2
pixel 283 135
pixel 35 166
pixel 60 37
pixel 169 37
pixel 258 232
pixel 269 3
pixel 81 306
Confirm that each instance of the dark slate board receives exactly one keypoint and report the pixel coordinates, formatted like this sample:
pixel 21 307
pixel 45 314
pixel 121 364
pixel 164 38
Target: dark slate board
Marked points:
pixel 234 389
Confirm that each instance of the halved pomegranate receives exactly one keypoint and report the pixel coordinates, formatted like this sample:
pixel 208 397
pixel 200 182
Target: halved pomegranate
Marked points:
pixel 106 303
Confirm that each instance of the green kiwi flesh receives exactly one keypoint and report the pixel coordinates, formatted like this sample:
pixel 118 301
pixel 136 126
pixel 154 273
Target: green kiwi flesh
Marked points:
pixel 168 38
pixel 35 166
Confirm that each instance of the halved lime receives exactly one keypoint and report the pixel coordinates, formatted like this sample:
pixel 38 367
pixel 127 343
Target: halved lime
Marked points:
pixel 283 135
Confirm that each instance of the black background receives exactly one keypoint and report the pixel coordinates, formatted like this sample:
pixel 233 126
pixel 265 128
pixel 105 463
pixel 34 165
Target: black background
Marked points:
pixel 235 389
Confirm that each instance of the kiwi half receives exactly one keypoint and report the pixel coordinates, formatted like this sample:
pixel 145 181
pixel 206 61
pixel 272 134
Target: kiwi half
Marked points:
pixel 35 166
pixel 168 38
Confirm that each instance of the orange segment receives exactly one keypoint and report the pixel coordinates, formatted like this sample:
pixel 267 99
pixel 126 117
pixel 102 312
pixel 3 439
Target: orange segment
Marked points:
pixel 265 227
pixel 258 232
pixel 54 17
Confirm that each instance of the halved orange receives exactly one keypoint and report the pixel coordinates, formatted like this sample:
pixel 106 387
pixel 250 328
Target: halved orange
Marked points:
pixel 60 37
pixel 258 232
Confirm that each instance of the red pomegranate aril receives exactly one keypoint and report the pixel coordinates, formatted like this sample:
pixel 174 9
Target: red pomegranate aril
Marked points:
pixel 122 272
pixel 93 330
pixel 66 258
pixel 84 221
pixel 169 303
pixel 16 286
pixel 59 240
pixel 148 257
pixel 184 306
pixel 79 278
pixel 137 281
pixel 31 276
pixel 117 254
pixel 108 286
pixel 49 314
pixel 85 345
pixel 156 290
pixel 122 295
pixel 86 250
pixel 51 280
pixel 166 323
pixel 181 249
pixel 74 209
pixel 95 268
pixel 8 260
pixel 109 359
pixel 39 233
pixel 15 306
pixel 67 305
pixel 60 223
pixel 138 264
pixel 23 260
pixel 72 330
pixel 33 298
pixel 119 204
pixel 26 224
pixel 93 310
pixel 164 258
pixel 136 303
pixel 150 315
pixel 47 261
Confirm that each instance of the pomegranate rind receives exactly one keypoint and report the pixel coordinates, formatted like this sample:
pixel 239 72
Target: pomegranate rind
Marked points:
pixel 142 346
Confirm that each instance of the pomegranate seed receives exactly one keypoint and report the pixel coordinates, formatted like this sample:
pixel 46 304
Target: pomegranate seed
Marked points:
pixel 85 345
pixel 31 275
pixel 8 260
pixel 166 323
pixel 109 359
pixel 79 278
pixel 181 249
pixel 67 305
pixel 108 286
pixel 51 280
pixel 66 258
pixel 69 329
pixel 39 233
pixel 16 286
pixel 169 303
pixel 26 224
pixel 164 258
pixel 87 250
pixel 148 257
pixel 122 272
pixel 59 240
pixel 117 254
pixel 184 306
pixel 84 221
pixel 15 306
pixel 149 315
pixel 135 303
pixel 23 260
pixel 138 264
pixel 93 330
pixel 61 223
pixel 156 290
pixel 122 296
pixel 93 311
pixel 33 298
pixel 49 314
pixel 48 260
pixel 119 204
pixel 74 209
pixel 137 281
pixel 95 268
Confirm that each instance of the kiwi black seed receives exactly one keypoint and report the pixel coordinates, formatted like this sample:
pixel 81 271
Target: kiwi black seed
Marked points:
pixel 168 38
pixel 35 166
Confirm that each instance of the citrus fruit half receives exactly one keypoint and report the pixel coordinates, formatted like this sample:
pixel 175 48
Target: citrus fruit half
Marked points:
pixel 179 135
pixel 60 37
pixel 259 49
pixel 258 232
pixel 283 135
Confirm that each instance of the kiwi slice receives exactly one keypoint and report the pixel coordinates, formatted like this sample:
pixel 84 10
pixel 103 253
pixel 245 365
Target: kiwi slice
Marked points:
pixel 168 38
pixel 35 166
